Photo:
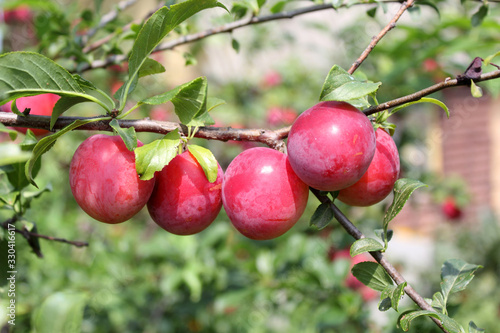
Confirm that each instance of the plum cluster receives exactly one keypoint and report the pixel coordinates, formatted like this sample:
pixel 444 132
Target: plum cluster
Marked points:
pixel 331 147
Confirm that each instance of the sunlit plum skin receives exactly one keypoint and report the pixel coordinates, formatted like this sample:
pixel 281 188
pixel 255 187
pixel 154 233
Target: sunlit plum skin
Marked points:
pixel 184 202
pixel 41 105
pixel 331 145
pixel 262 195
pixel 104 181
pixel 378 181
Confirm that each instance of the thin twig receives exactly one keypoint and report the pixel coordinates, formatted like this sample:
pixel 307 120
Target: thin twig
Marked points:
pixel 105 19
pixel 427 91
pixel 27 234
pixel 378 256
pixel 95 45
pixel 376 39
pixel 226 28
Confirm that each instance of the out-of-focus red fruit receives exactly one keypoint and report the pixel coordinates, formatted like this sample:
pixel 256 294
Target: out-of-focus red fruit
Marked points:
pixel 272 79
pixel 378 181
pixel 451 210
pixel 41 105
pixel 351 282
pixel 159 113
pixel 331 145
pixel 430 65
pixel 262 195
pixel 278 116
pixel 184 202
pixel 104 181
pixel 19 14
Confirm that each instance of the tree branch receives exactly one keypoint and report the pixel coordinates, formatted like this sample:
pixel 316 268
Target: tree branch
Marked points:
pixel 376 39
pixel 226 28
pixel 105 19
pixel 378 256
pixel 427 91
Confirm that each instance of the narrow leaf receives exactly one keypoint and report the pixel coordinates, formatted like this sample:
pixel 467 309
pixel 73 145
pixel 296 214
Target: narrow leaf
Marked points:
pixel 189 99
pixel 341 86
pixel 163 21
pixel 206 160
pixel 150 67
pixel 448 323
pixel 403 189
pixel 322 216
pixel 67 307
pixel 396 296
pixel 456 275
pixel 365 245
pixel 488 59
pixel 47 142
pixel 156 155
pixel 474 329
pixel 63 104
pixel 479 16
pixel 372 275
pixel 423 100
pixel 128 135
pixel 475 90
pixel 438 302
pixel 380 233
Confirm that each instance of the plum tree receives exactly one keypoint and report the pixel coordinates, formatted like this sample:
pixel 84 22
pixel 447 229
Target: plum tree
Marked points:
pixel 184 202
pixel 104 180
pixel 331 145
pixel 378 181
pixel 262 195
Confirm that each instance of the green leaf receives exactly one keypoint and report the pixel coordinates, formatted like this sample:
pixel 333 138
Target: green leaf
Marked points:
pixel 479 16
pixel 403 189
pixel 391 296
pixel 156 155
pixel 28 74
pixel 12 133
pixel 150 67
pixel 372 275
pixel 488 59
pixel 163 21
pixel 63 104
pixel 456 275
pixel 213 102
pixel 322 216
pixel 474 329
pixel 206 160
pixel 382 236
pixel 235 45
pixel 341 86
pixel 438 302
pixel 278 7
pixel 372 11
pixel 189 99
pixel 67 307
pixel 365 245
pixel 128 135
pixel 47 142
pixel 475 90
pixel 449 324
pixel 397 295
pixel 423 100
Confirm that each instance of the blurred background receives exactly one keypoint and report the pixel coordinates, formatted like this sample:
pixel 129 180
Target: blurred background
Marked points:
pixel 135 277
